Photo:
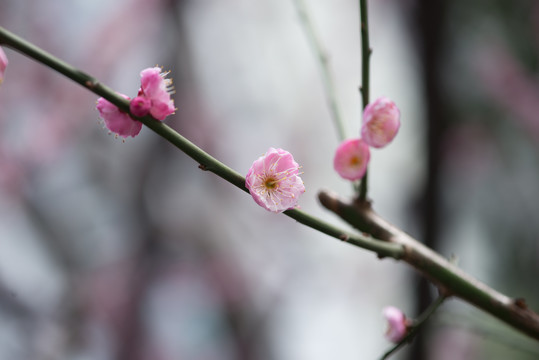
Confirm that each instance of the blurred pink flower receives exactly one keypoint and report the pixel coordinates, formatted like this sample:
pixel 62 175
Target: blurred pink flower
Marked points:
pixel 140 106
pixel 116 120
pixel 273 181
pixel 381 122
pixel 397 324
pixel 3 64
pixel 351 159
pixel 156 88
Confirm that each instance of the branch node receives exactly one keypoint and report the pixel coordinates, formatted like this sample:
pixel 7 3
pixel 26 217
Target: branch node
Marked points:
pixel 520 303
pixel 91 84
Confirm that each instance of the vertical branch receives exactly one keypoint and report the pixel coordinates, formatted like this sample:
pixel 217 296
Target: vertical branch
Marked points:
pixel 365 69
pixel 323 63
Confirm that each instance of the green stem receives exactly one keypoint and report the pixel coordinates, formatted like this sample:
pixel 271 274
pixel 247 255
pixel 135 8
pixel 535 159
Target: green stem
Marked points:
pixel 415 326
pixel 397 244
pixel 323 62
pixel 450 279
pixel 26 48
pixel 206 161
pixel 365 77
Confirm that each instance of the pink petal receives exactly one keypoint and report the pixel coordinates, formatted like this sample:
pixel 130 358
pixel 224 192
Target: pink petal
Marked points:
pixel 3 64
pixel 155 88
pixel 160 110
pixel 397 326
pixel 351 159
pixel 381 122
pixel 140 106
pixel 117 121
pixel 151 81
pixel 278 169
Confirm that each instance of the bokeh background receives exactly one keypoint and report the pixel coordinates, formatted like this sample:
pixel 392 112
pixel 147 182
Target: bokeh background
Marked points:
pixel 125 250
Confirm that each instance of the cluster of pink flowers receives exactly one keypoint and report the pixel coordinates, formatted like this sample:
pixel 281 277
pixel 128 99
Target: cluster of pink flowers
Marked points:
pixel 153 98
pixel 397 324
pixel 3 64
pixel 381 122
pixel 273 181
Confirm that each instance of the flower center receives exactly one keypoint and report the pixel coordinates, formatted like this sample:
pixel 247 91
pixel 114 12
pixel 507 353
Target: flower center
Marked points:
pixel 376 126
pixel 271 183
pixel 355 160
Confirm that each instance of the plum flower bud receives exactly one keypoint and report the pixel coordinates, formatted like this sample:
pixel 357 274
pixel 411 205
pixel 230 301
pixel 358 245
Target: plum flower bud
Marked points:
pixel 116 120
pixel 397 324
pixel 140 106
pixel 351 159
pixel 381 122
pixel 156 88
pixel 3 64
pixel 273 181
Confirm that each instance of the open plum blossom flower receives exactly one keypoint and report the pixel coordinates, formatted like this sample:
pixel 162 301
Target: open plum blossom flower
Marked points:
pixel 3 64
pixel 381 122
pixel 156 89
pixel 116 120
pixel 397 324
pixel 273 181
pixel 351 159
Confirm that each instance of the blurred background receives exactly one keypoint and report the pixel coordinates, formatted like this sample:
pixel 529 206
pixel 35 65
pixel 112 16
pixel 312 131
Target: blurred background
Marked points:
pixel 125 250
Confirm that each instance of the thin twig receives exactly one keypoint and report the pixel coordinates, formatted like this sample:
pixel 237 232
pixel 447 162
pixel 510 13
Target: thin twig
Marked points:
pixel 365 78
pixel 415 326
pixel 323 64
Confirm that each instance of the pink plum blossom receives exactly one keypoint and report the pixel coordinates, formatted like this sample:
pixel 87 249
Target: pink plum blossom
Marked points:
pixel 273 181
pixel 351 159
pixel 381 122
pixel 397 324
pixel 116 120
pixel 140 106
pixel 156 88
pixel 3 64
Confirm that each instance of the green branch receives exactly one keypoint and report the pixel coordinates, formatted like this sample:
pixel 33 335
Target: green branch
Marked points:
pixel 206 161
pixel 392 242
pixel 450 279
pixel 365 78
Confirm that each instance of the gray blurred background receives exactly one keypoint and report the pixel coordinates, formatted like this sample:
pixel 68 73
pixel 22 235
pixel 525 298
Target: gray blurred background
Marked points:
pixel 125 250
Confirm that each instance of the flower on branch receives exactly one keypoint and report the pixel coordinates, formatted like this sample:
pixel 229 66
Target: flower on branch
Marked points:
pixel 397 324
pixel 116 120
pixel 351 159
pixel 153 98
pixel 381 122
pixel 273 181
pixel 156 88
pixel 3 64
pixel 140 106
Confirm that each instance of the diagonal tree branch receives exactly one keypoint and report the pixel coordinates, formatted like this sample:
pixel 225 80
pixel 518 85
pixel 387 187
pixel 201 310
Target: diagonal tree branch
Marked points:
pixel 450 279
pixel 392 242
